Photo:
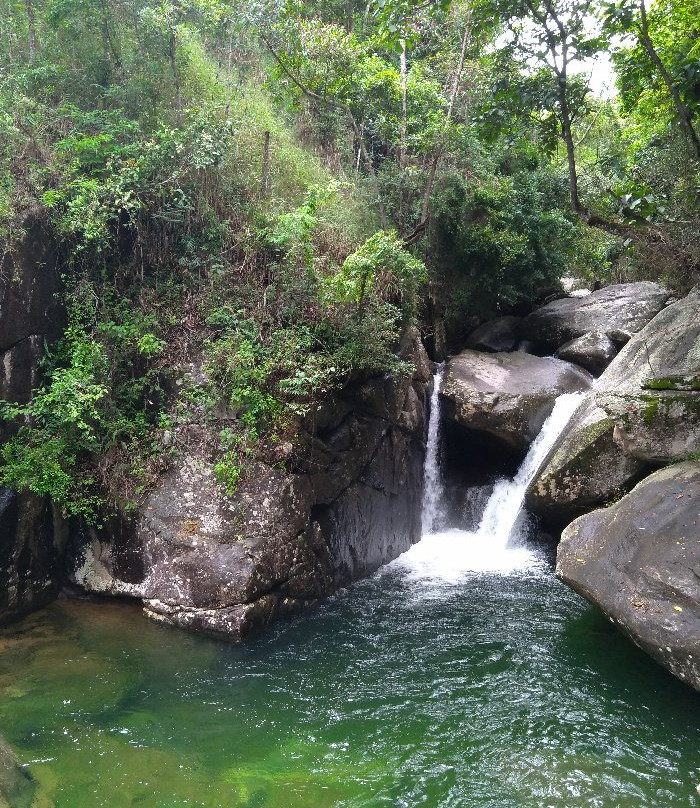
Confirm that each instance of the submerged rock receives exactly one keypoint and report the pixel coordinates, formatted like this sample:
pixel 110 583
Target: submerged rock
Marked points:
pixel 507 395
pixel 290 535
pixel 617 312
pixel 638 561
pixel 17 788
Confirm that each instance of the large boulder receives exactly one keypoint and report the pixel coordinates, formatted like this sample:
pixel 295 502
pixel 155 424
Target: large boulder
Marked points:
pixel 638 561
pixel 336 509
pixel 585 468
pixel 617 312
pixel 643 410
pixel 507 395
pixel 652 389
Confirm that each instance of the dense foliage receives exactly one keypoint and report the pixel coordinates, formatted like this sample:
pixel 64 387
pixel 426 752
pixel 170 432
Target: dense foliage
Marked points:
pixel 251 201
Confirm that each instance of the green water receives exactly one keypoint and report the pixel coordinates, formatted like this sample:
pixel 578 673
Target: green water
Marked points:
pixel 496 691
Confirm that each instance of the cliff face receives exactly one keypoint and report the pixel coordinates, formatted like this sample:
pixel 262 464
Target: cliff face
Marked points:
pixel 32 533
pixel 291 534
pixel 302 523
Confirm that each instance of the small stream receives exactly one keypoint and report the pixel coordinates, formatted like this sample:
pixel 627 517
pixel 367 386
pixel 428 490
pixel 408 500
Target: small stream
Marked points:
pixel 463 675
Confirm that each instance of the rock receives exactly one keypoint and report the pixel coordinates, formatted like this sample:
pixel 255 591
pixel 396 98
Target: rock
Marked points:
pixel 585 468
pixel 31 530
pixel 17 788
pixel 32 537
pixel 386 496
pixel 29 282
pixel 636 560
pixel 593 351
pixel 412 350
pixel 643 410
pixel 652 388
pixel 507 395
pixel 227 566
pixel 617 311
pixel 495 335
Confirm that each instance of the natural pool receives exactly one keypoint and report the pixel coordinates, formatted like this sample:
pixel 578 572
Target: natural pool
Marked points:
pixel 501 690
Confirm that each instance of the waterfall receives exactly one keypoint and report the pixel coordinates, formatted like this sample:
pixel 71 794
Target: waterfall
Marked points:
pixel 432 479
pixel 505 505
pixel 450 555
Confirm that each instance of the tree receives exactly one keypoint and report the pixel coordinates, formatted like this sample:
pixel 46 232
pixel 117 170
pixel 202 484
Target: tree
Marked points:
pixel 556 34
pixel 630 17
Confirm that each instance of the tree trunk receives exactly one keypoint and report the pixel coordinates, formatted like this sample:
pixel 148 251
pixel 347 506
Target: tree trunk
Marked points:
pixel 402 132
pixel 404 106
pixel 229 68
pixel 432 171
pixel 681 110
pixel 265 166
pixel 172 55
pixel 568 138
pixel 31 31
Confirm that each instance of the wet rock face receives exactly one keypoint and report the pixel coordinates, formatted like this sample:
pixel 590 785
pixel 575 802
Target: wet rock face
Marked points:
pixel 639 561
pixel 585 469
pixel 29 281
pixel 31 532
pixel 386 496
pixel 616 312
pixel 32 537
pixel 507 395
pixel 228 566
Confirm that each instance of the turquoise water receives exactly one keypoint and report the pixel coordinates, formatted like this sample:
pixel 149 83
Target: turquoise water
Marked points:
pixel 493 691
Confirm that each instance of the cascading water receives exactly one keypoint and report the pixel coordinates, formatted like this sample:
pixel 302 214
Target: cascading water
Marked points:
pixel 432 479
pixel 505 505
pixel 448 555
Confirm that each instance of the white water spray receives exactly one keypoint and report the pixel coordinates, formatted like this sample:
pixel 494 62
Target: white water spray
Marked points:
pixel 451 555
pixel 506 502
pixel 432 479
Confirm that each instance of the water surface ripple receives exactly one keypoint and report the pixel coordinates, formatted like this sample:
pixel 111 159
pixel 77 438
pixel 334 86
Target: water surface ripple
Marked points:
pixel 493 689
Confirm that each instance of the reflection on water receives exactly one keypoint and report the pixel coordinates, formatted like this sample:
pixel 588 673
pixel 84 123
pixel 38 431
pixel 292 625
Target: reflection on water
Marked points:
pixel 486 690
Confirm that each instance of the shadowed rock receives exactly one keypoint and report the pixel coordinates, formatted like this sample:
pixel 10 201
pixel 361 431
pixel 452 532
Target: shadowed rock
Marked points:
pixel 31 531
pixel 495 335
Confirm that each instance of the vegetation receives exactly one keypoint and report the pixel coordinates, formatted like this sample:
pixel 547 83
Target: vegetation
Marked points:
pixel 251 201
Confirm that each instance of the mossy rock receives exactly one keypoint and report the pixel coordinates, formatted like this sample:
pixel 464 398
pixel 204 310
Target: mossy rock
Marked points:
pixel 585 468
